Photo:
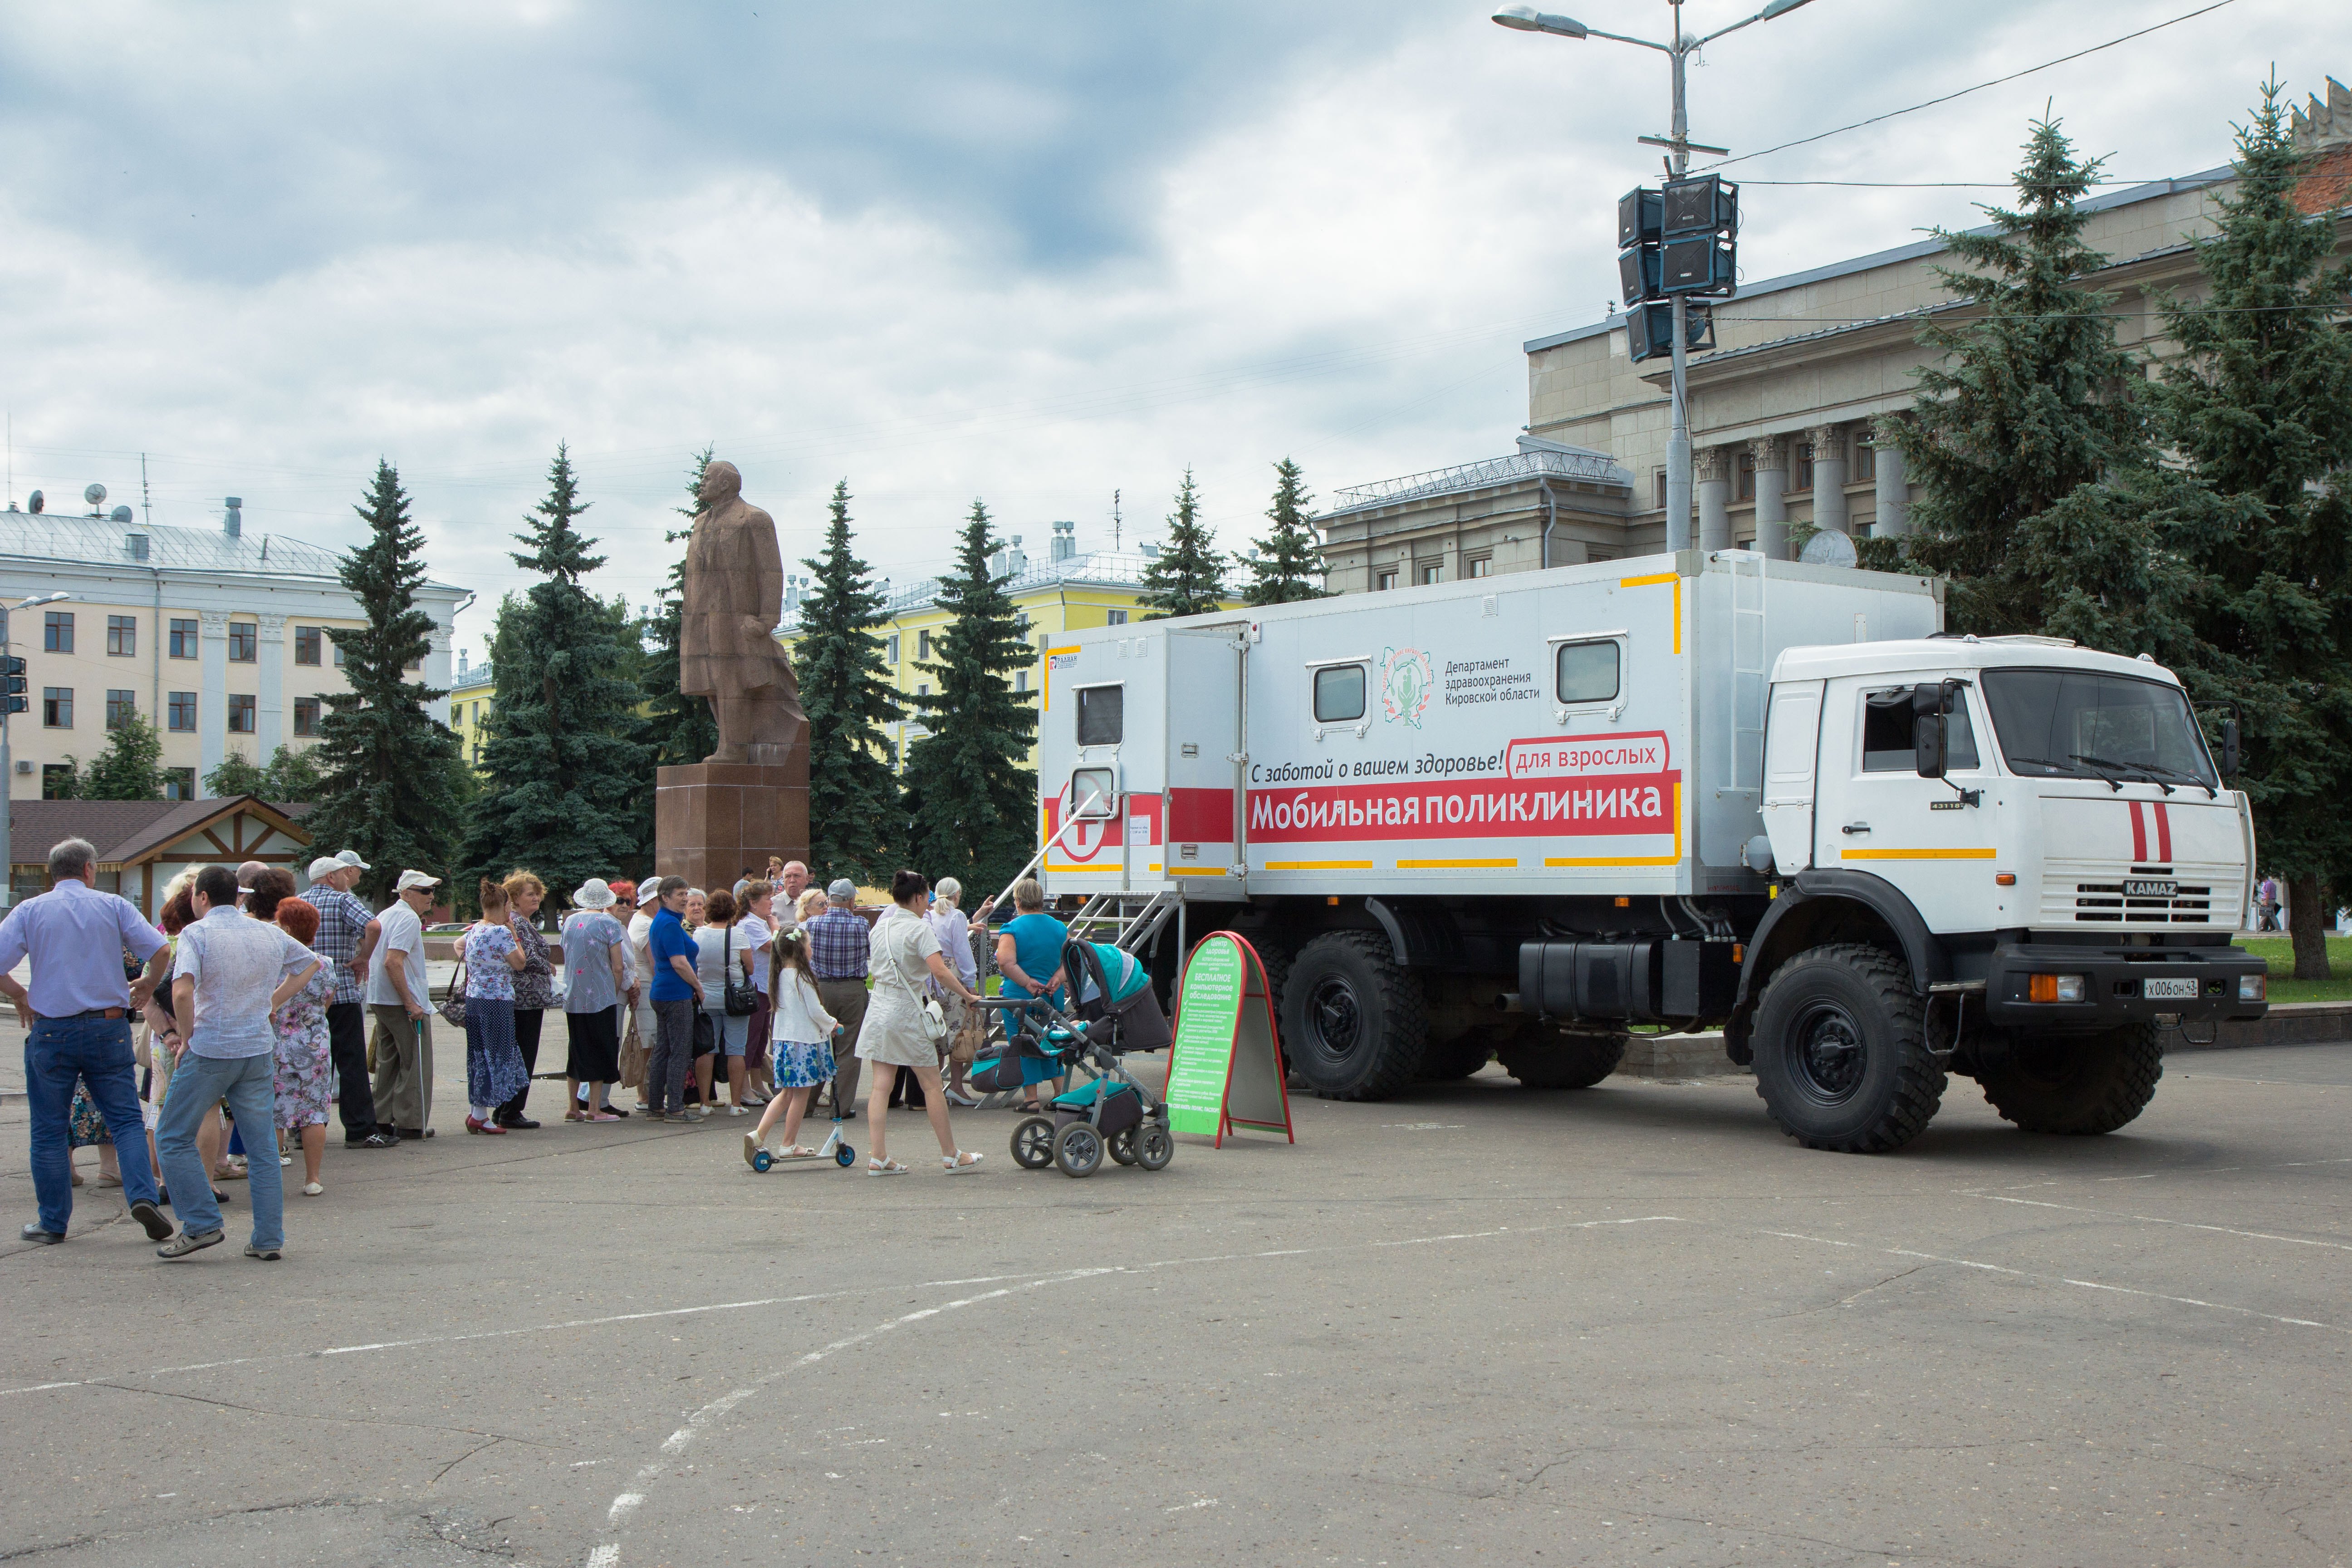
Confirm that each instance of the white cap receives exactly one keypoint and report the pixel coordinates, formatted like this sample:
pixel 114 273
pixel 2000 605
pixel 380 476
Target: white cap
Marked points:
pixel 351 857
pixel 409 879
pixel 326 866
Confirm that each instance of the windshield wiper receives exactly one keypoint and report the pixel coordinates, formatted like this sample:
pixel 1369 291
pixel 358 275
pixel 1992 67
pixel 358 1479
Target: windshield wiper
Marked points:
pixel 2063 771
pixel 2144 775
pixel 2187 778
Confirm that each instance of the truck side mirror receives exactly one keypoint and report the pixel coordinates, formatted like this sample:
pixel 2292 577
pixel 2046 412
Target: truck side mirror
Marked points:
pixel 2231 748
pixel 1928 730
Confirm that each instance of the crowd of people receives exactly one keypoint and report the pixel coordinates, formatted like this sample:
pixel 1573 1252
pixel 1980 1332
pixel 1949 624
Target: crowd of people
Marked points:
pixel 214 1045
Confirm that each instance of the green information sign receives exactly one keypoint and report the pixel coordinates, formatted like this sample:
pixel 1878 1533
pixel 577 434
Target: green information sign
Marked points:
pixel 1226 1068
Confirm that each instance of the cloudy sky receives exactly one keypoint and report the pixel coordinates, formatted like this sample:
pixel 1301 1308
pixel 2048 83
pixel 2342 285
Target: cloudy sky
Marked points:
pixel 1036 252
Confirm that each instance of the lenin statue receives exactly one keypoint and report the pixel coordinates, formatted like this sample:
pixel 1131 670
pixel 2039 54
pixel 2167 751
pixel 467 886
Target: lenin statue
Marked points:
pixel 734 597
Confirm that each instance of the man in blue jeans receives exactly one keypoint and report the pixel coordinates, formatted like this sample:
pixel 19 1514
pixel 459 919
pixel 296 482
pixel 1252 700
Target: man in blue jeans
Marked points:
pixel 231 973
pixel 77 1016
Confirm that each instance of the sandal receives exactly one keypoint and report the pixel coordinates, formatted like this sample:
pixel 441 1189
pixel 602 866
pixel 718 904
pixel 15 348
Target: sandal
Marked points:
pixel 885 1168
pixel 230 1173
pixel 601 1116
pixel 962 1160
pixel 576 1116
pixel 797 1151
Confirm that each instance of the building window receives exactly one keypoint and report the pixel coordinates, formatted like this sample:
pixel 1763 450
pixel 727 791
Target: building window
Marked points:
pixel 243 641
pixel 306 644
pixel 57 631
pixel 1384 582
pixel 1428 572
pixel 1865 463
pixel 120 707
pixel 890 648
pixel 306 715
pixel 183 639
pixel 1020 680
pixel 1801 471
pixel 57 782
pixel 1747 476
pixel 923 688
pixel 1479 567
pixel 923 645
pixel 122 636
pixel 1116 618
pixel 338 652
pixel 1021 621
pixel 1659 488
pixel 240 715
pixel 1592 554
pixel 179 710
pixel 179 783
pixel 56 707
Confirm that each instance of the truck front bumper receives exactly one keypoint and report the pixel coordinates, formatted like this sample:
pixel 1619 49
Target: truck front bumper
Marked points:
pixel 2114 986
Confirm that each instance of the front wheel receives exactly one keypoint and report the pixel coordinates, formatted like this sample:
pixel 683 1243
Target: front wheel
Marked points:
pixel 1353 1018
pixel 1033 1142
pixel 1154 1147
pixel 1842 1058
pixel 1122 1146
pixel 1078 1149
pixel 2078 1084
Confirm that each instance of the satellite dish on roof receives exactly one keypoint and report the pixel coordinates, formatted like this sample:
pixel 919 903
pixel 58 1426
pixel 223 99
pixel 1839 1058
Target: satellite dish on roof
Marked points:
pixel 120 514
pixel 94 494
pixel 1828 548
pixel 36 500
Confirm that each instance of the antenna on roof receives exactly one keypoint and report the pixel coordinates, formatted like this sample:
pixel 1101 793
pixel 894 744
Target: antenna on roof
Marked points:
pixel 146 496
pixel 1113 522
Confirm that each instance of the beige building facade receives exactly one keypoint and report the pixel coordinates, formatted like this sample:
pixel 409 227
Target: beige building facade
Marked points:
pixel 1790 412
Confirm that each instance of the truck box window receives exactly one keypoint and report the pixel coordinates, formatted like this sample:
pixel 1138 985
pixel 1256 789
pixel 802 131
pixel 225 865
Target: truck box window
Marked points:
pixel 1101 715
pixel 1093 793
pixel 1889 727
pixel 1340 694
pixel 1587 671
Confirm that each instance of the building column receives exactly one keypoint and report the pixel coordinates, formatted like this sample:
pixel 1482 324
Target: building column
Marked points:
pixel 1772 453
pixel 1829 477
pixel 270 730
pixel 212 694
pixel 1715 465
pixel 438 670
pixel 1893 494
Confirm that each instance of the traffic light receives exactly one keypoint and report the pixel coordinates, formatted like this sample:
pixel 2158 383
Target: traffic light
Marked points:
pixel 1650 331
pixel 12 682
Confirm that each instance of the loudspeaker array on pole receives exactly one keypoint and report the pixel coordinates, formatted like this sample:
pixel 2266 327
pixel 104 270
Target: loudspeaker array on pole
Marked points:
pixel 1682 239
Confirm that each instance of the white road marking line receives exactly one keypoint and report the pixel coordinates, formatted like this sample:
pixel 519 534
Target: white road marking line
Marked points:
pixel 622 1506
pixel 2180 1224
pixel 603 1556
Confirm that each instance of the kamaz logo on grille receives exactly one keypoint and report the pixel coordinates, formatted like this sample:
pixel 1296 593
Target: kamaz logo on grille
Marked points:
pixel 2149 890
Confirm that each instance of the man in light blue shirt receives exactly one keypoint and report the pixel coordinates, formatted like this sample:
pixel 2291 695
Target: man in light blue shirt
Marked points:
pixel 76 1016
pixel 232 971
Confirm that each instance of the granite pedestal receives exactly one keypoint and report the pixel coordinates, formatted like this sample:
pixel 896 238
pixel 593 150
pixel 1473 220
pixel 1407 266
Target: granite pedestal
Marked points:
pixel 712 819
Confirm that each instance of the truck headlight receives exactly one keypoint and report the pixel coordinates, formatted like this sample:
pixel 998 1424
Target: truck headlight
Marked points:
pixel 2054 988
pixel 2253 987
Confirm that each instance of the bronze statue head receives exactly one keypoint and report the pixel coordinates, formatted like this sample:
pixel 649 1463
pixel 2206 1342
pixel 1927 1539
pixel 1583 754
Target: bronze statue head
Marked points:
pixel 720 484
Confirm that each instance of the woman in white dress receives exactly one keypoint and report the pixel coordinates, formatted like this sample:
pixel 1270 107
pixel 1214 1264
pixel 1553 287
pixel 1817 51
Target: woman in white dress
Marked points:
pixel 897 1033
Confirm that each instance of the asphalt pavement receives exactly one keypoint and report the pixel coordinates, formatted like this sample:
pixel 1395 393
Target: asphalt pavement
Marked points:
pixel 1633 1324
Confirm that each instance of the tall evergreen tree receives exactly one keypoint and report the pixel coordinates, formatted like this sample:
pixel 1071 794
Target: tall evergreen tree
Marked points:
pixel 1286 567
pixel 131 766
pixel 971 796
pixel 1188 576
pixel 2258 408
pixel 2026 413
pixel 846 693
pixel 390 788
pixel 559 767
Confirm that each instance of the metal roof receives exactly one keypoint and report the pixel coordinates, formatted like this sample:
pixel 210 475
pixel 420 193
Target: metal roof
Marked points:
pixel 50 536
pixel 1097 569
pixel 1545 463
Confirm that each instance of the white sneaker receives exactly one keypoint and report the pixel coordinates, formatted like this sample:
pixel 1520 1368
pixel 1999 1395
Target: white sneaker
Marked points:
pixel 739 1111
pixel 311 1189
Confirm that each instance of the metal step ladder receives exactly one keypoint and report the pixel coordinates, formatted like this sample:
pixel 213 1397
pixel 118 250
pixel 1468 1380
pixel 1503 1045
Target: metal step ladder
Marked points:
pixel 1129 921
pixel 1750 674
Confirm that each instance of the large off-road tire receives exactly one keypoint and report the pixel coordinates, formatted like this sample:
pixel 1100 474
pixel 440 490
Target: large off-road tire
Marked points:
pixel 1842 1058
pixel 1277 962
pixel 1353 1018
pixel 2079 1084
pixel 1544 1058
pixel 1459 1057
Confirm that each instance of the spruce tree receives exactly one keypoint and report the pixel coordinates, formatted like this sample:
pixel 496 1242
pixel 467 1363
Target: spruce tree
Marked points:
pixel 389 770
pixel 1286 566
pixel 971 796
pixel 131 768
pixel 2258 409
pixel 2026 413
pixel 1188 576
pixel 846 693
pixel 561 766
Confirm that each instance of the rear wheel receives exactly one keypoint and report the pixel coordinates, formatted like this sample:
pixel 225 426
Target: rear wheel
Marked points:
pixel 1122 1146
pixel 1353 1017
pixel 2080 1084
pixel 1463 1055
pixel 1842 1058
pixel 1541 1059
pixel 1033 1142
pixel 1153 1147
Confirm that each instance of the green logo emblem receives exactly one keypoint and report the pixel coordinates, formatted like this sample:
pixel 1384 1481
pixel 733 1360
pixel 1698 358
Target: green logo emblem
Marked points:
pixel 1405 685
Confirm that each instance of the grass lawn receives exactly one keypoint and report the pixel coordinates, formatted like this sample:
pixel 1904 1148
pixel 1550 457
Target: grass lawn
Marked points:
pixel 2278 953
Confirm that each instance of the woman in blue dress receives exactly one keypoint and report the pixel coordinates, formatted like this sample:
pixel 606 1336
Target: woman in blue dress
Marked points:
pixel 1029 956
pixel 494 1069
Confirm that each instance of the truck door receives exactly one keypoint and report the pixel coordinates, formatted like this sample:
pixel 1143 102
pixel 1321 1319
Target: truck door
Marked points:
pixel 1792 732
pixel 1208 762
pixel 1878 814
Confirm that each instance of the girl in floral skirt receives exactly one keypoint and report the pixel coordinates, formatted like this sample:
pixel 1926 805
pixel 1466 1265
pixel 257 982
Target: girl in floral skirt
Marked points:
pixel 800 1046
pixel 304 1076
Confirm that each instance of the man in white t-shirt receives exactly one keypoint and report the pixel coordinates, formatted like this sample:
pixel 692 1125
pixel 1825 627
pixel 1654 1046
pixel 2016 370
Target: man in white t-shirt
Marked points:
pixel 398 996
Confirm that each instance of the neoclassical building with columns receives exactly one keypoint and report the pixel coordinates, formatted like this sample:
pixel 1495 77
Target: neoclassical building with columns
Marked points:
pixel 223 640
pixel 1789 413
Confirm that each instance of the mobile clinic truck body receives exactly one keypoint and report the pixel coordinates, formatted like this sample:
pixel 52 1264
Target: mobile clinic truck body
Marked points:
pixel 1515 816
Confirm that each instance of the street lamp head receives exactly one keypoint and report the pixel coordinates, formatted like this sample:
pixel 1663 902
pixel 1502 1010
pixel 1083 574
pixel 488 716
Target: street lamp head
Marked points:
pixel 1780 8
pixel 1527 19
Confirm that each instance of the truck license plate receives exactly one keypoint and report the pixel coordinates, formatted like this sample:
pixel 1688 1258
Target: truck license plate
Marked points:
pixel 2168 990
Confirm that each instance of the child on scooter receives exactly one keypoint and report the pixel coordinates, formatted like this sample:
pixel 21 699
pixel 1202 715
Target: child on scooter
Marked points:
pixel 801 1035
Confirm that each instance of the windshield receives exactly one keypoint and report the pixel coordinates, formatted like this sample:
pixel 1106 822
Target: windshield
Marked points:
pixel 2066 723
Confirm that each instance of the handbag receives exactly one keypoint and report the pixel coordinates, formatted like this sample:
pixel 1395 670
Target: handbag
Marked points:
pixel 737 993
pixel 453 1003
pixel 633 1056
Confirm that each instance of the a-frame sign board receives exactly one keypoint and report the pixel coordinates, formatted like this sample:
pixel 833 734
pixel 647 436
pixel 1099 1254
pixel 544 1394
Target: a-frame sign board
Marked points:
pixel 1226 1068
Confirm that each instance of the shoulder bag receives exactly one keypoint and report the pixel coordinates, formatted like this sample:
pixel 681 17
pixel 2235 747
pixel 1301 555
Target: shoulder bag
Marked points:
pixel 453 1003
pixel 927 1007
pixel 741 998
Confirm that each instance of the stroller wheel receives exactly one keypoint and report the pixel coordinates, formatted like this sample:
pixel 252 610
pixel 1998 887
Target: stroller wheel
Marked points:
pixel 1154 1146
pixel 845 1156
pixel 1033 1142
pixel 1122 1146
pixel 1079 1150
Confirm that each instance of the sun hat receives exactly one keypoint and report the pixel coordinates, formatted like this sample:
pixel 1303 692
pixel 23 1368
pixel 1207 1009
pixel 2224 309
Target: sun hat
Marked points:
pixel 843 891
pixel 326 866
pixel 595 893
pixel 412 879
pixel 351 857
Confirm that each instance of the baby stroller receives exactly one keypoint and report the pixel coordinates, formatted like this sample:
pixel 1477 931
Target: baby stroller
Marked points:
pixel 1111 1112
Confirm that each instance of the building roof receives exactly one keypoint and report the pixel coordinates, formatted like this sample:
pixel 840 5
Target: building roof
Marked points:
pixel 1119 569
pixel 128 831
pixel 1916 251
pixel 53 537
pixel 1535 461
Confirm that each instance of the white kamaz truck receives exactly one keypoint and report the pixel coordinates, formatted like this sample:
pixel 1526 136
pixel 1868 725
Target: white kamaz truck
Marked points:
pixel 1515 817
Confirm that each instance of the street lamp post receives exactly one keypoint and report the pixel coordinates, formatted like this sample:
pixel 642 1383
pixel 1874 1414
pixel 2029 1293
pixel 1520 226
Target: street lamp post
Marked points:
pixel 1527 19
pixel 8 777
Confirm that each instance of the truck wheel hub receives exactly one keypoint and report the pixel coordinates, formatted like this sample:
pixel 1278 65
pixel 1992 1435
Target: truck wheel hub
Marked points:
pixel 1337 1020
pixel 1828 1054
